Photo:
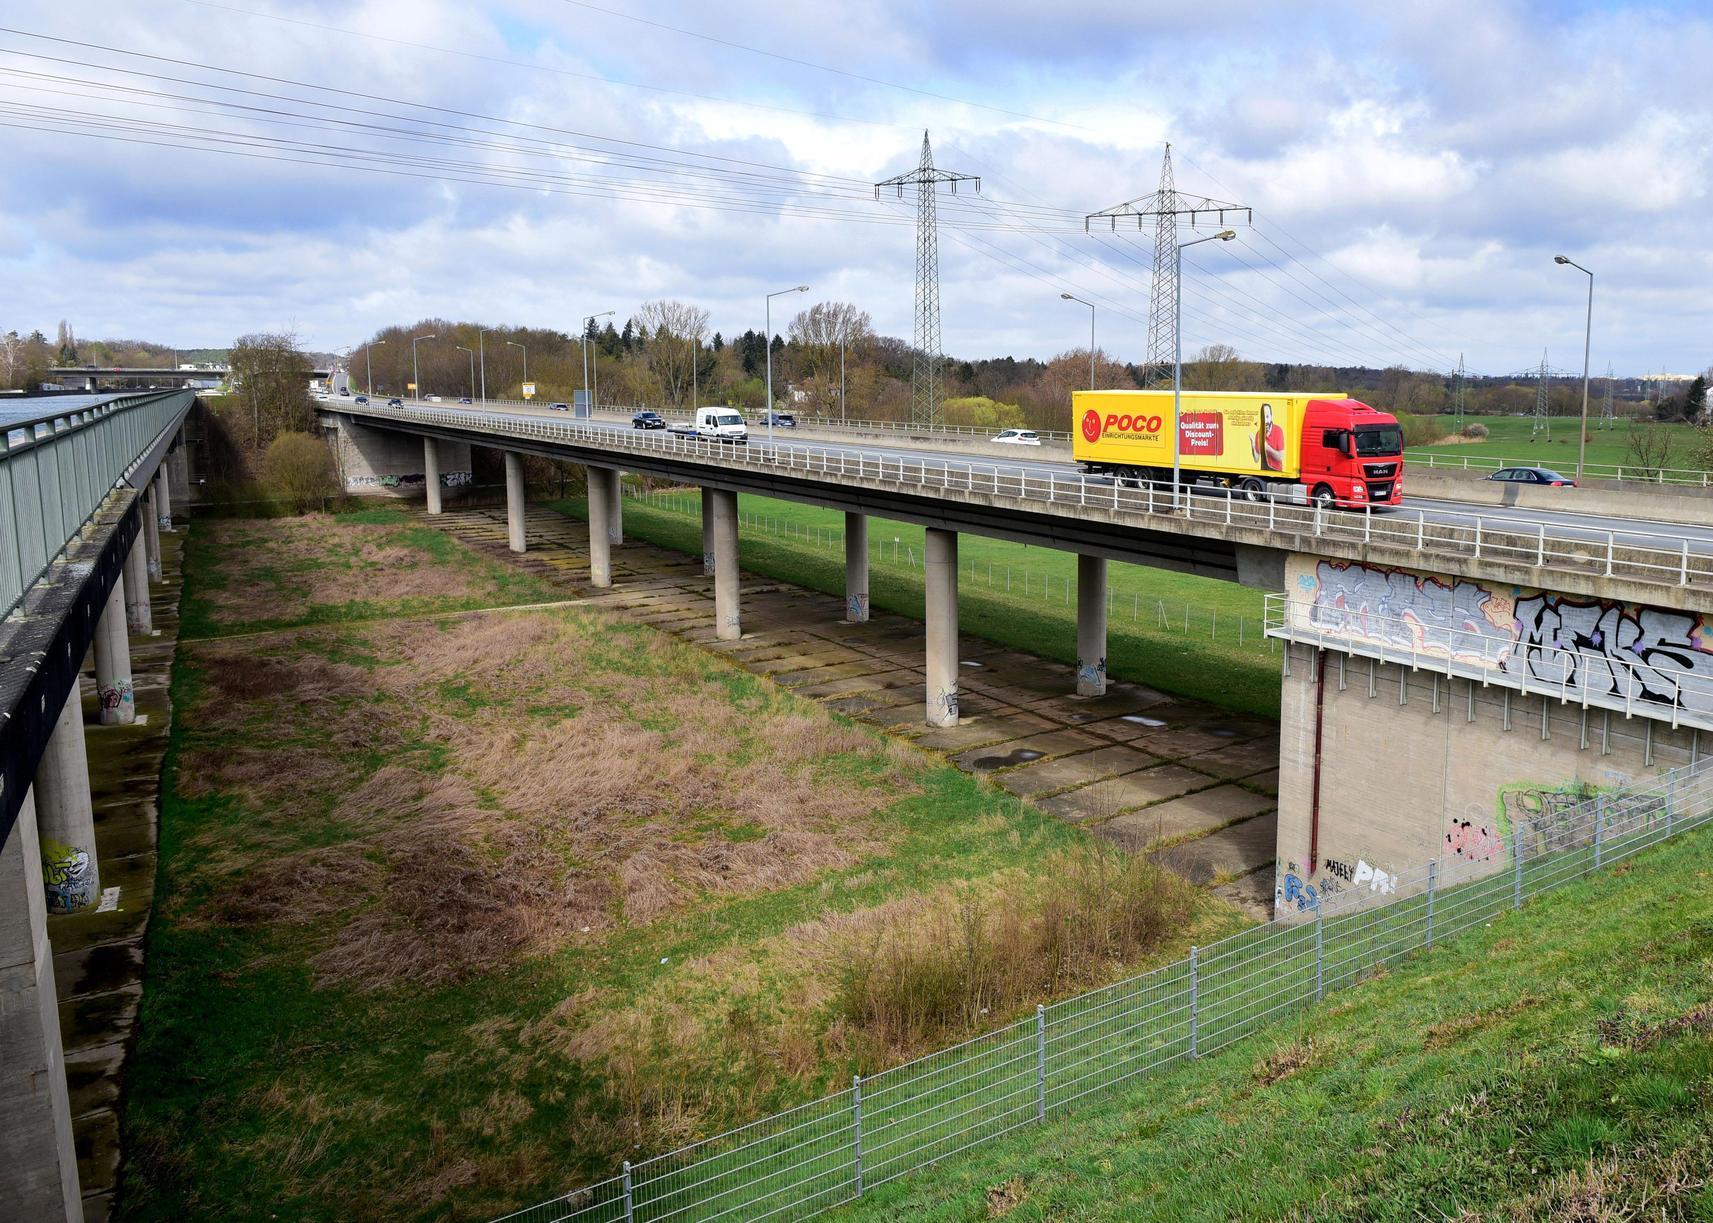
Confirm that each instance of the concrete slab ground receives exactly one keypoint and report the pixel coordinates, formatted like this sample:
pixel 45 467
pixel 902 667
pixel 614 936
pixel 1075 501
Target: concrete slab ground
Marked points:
pixel 1137 766
pixel 98 955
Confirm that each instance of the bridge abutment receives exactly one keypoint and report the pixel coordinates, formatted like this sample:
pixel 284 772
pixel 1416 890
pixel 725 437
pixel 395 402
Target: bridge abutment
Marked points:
pixel 728 617
pixel 940 581
pixel 38 1159
pixel 118 702
pixel 1091 625
pixel 514 501
pixel 856 567
pixel 65 815
pixel 381 462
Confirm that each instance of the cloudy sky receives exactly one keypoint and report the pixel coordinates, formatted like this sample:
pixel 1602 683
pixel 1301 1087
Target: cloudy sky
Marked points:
pixel 186 170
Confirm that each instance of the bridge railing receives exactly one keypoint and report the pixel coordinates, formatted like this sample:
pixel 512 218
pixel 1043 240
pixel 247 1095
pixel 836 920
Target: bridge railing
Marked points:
pixel 57 468
pixel 1639 554
pixel 833 1150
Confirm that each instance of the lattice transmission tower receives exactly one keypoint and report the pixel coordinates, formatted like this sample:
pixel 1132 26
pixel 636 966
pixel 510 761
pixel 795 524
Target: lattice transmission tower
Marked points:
pixel 1606 404
pixel 1542 422
pixel 1457 392
pixel 1165 206
pixel 927 391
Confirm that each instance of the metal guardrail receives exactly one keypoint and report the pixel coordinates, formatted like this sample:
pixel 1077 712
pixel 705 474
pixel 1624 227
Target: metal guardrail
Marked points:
pixel 833 1150
pixel 56 469
pixel 1638 473
pixel 1630 678
pixel 1638 554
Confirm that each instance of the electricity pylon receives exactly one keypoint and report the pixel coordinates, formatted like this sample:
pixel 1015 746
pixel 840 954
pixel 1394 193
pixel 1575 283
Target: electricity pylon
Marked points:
pixel 1542 422
pixel 1606 404
pixel 1165 205
pixel 926 383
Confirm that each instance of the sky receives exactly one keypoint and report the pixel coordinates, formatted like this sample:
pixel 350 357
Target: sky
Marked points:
pixel 185 171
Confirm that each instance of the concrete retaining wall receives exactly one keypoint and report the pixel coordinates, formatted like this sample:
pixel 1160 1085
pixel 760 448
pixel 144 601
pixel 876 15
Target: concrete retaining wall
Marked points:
pixel 1688 506
pixel 386 463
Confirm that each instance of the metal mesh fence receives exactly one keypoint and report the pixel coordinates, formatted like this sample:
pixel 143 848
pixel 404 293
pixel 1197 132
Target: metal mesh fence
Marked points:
pixel 832 1150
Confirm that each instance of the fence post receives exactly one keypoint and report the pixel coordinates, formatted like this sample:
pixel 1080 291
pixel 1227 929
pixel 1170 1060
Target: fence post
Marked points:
pixel 1599 829
pixel 1193 1001
pixel 630 1204
pixel 1670 798
pixel 856 1107
pixel 1040 1062
pixel 1433 871
pixel 1518 848
pixel 1319 959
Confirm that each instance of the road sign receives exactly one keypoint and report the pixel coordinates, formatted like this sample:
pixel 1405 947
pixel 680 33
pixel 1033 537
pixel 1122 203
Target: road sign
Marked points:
pixel 529 390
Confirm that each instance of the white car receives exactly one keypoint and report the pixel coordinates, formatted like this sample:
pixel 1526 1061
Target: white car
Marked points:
pixel 431 399
pixel 1017 437
pixel 683 428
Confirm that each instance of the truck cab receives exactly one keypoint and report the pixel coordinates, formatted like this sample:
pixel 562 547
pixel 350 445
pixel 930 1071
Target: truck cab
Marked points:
pixel 721 425
pixel 1352 455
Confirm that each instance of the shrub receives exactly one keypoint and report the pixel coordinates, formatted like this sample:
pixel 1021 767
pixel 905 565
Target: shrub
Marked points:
pixel 1418 430
pixel 1475 430
pixel 299 468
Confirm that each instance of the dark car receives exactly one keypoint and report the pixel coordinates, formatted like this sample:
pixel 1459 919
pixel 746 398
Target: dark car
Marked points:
pixel 395 402
pixel 463 399
pixel 648 420
pixel 361 399
pixel 783 419
pixel 559 407
pixel 1532 475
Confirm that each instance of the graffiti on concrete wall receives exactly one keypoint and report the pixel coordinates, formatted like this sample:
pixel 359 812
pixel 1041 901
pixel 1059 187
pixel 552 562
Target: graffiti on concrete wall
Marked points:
pixel 450 479
pixel 1622 650
pixel 68 879
pixel 1547 819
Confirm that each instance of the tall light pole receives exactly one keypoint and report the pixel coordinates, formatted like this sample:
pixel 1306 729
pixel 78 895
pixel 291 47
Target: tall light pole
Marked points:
pixel 1224 235
pixel 415 381
pixel 768 338
pixel 1587 337
pixel 1072 297
pixel 515 344
pixel 482 348
pixel 844 335
pixel 585 338
pixel 472 355
pixel 369 364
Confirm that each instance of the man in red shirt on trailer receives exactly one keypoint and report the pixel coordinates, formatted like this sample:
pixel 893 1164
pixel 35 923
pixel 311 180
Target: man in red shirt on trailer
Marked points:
pixel 1270 441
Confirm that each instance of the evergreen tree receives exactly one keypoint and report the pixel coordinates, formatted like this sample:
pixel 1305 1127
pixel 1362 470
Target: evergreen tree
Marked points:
pixel 718 343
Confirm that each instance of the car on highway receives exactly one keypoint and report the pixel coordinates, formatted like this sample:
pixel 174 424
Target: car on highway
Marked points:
pixel 431 399
pixel 683 428
pixel 782 419
pixel 464 399
pixel 395 402
pixel 1017 437
pixel 558 407
pixel 1532 475
pixel 648 420
pixel 361 399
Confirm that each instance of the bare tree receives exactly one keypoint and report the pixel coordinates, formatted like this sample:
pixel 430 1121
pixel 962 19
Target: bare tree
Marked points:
pixel 819 330
pixel 1218 367
pixel 675 331
pixel 272 374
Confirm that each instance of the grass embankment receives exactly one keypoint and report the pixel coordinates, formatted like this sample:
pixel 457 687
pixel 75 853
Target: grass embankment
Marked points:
pixel 1508 438
pixel 1556 1063
pixel 453 912
pixel 1036 615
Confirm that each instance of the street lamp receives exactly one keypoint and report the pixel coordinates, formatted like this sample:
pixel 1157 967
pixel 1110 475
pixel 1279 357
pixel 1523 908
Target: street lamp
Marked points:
pixel 767 337
pixel 584 339
pixel 1587 336
pixel 482 347
pixel 1071 297
pixel 415 381
pixel 472 354
pixel 515 344
pixel 1224 235
pixel 369 365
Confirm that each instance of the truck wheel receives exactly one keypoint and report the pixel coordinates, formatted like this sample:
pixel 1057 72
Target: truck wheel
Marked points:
pixel 1251 488
pixel 1322 496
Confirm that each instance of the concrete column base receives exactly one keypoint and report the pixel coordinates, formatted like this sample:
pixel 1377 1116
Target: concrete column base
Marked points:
pixel 163 497
pixel 38 1160
pixel 150 511
pixel 856 568
pixel 431 473
pixel 65 815
pixel 728 618
pixel 940 579
pixel 1091 625
pixel 602 484
pixel 514 501
pixel 113 661
pixel 707 533
pixel 139 614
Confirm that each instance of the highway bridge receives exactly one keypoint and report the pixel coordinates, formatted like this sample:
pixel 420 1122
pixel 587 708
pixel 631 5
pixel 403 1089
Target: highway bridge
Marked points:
pixel 135 377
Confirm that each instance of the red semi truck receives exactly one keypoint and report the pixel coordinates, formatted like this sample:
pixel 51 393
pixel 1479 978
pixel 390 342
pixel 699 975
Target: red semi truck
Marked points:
pixel 1328 449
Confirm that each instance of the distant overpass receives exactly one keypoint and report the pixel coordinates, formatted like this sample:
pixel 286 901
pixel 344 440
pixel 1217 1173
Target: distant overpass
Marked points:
pixel 98 377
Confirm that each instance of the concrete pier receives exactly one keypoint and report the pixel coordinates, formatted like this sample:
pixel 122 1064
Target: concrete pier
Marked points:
pixel 707 533
pixel 1091 625
pixel 602 486
pixel 616 504
pixel 152 531
pixel 940 580
pixel 113 661
pixel 38 1161
pixel 514 501
pixel 139 614
pixel 66 816
pixel 856 568
pixel 163 498
pixel 728 618
pixel 431 473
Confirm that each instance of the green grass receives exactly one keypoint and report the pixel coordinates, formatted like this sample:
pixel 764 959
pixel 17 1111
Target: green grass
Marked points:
pixel 1037 614
pixel 260 1090
pixel 1554 1062
pixel 1509 440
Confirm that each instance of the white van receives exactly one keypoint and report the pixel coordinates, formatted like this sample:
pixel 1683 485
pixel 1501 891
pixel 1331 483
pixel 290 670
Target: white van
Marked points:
pixel 720 425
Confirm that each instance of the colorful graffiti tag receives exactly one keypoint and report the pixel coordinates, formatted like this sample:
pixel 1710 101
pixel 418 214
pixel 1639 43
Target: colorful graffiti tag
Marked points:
pixel 67 877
